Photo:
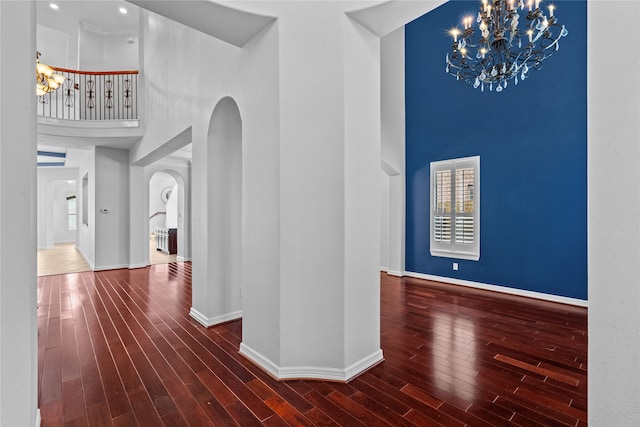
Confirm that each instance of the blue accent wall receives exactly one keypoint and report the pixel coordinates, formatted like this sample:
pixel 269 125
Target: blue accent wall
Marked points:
pixel 532 143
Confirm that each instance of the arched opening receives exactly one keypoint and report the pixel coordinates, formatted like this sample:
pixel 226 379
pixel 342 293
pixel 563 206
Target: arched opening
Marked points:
pixel 224 213
pixel 163 218
pixel 168 213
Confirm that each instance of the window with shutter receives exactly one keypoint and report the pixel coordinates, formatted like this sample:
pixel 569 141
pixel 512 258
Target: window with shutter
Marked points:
pixel 455 213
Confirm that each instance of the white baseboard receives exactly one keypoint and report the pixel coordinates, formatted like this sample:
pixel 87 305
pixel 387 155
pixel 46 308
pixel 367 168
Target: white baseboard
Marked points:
pixel 311 372
pixel 502 289
pixel 134 266
pixel 212 321
pixel 395 273
pixel 110 267
pixel 38 418
pixel 384 269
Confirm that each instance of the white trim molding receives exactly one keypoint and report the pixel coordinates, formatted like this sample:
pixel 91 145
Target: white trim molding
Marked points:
pixel 207 322
pixel 311 372
pixel 395 273
pixel 111 267
pixel 501 289
pixel 134 266
pixel 38 418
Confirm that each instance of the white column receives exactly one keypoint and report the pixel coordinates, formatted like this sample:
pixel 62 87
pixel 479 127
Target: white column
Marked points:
pixel 329 95
pixel 18 323
pixel 138 214
pixel 613 214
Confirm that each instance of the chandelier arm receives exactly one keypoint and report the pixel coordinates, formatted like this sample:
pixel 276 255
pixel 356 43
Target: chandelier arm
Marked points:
pixel 501 51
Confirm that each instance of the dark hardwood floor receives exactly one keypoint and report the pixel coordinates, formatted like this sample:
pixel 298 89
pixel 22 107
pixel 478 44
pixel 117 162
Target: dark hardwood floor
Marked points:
pixel 118 348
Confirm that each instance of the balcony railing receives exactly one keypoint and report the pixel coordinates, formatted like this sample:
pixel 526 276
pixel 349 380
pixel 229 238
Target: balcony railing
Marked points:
pixel 90 95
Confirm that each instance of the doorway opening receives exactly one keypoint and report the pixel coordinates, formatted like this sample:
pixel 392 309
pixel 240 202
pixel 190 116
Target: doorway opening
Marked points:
pixel 163 218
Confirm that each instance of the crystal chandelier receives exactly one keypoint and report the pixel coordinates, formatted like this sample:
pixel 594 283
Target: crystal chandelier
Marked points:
pixel 500 49
pixel 47 79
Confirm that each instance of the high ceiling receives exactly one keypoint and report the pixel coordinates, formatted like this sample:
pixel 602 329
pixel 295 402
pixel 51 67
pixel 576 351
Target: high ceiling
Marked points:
pixel 99 16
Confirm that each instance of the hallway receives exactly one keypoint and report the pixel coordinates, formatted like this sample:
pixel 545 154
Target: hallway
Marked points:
pixel 64 258
pixel 118 348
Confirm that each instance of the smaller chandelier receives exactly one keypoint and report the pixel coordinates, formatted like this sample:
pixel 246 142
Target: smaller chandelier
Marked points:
pixel 501 50
pixel 47 79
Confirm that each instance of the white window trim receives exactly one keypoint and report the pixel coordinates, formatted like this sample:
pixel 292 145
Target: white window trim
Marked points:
pixel 460 252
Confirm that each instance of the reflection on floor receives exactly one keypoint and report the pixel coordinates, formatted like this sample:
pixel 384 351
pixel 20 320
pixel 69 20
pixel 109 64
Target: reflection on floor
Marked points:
pixel 64 258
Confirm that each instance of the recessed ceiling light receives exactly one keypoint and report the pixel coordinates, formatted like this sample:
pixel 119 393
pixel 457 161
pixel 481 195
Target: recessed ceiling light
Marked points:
pixel 123 10
pixel 54 6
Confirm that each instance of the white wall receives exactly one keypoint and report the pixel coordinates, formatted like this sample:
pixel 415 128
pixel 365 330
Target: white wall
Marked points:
pixel 112 208
pixel 172 208
pixel 104 239
pixel 101 52
pixel 61 232
pixel 57 47
pixel 47 180
pixel 18 294
pixel 87 225
pixel 393 142
pixel 613 215
pixel 384 221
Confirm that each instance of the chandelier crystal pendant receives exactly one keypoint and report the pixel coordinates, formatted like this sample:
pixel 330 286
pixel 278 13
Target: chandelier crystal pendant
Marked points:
pixel 500 49
pixel 47 79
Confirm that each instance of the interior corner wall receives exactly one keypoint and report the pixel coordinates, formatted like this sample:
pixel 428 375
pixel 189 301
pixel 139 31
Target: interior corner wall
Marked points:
pixel 90 50
pixel 47 229
pixel 532 144
pixel 87 219
pixel 392 121
pixel 55 46
pixel 384 221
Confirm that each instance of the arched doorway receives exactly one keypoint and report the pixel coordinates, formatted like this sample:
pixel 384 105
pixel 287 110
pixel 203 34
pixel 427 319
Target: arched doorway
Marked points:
pixel 163 218
pixel 168 214
pixel 217 282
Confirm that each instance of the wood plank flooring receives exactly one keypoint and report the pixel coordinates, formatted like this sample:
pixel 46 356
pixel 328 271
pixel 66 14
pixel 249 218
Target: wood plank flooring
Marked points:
pixel 64 258
pixel 117 348
pixel 61 259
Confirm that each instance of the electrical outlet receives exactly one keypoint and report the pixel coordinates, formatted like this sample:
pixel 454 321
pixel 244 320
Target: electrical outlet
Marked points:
pixel 455 266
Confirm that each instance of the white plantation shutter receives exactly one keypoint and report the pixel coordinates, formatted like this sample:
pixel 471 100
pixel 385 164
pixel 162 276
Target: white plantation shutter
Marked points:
pixel 442 229
pixel 464 231
pixel 442 206
pixel 455 219
pixel 465 183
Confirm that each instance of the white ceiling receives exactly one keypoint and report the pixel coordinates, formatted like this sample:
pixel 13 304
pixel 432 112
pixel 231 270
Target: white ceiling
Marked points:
pixel 99 16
